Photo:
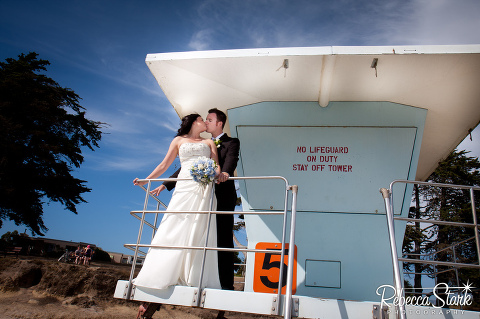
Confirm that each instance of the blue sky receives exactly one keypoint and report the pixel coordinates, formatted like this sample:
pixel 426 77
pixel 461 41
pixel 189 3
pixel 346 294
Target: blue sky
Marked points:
pixel 98 49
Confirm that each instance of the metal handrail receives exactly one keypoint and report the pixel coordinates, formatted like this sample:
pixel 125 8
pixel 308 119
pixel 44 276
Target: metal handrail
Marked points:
pixel 388 198
pixel 247 250
pixel 439 222
pixel 440 263
pixel 397 279
pixel 133 249
pixel 435 222
pixel 219 212
pixel 205 248
pixel 443 249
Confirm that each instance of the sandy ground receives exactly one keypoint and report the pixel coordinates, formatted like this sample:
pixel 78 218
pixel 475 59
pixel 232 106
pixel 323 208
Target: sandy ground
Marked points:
pixel 28 303
pixel 45 288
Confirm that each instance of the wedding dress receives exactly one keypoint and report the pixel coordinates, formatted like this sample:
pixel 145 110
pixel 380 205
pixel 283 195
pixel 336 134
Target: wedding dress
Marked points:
pixel 167 267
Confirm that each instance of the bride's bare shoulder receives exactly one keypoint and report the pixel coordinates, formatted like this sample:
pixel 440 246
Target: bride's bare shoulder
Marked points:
pixel 209 141
pixel 178 140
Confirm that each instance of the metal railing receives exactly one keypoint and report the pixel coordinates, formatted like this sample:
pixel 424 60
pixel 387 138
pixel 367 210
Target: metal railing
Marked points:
pixel 432 255
pixel 388 198
pixel 140 215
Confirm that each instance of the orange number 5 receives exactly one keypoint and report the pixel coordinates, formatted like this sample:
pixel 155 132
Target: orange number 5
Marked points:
pixel 267 269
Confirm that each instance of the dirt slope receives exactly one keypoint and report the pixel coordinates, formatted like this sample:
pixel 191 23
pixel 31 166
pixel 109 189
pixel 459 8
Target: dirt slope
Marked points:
pixel 44 288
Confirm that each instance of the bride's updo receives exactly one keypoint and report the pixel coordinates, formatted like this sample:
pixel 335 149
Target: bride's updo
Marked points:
pixel 187 122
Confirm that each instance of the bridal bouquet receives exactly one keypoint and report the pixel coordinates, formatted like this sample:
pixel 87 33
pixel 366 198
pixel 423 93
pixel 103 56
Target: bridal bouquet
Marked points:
pixel 203 170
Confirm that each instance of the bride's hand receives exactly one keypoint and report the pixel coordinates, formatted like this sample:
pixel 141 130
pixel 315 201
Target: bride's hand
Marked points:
pixel 137 183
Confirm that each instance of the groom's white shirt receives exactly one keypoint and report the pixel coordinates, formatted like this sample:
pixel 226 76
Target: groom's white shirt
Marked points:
pixel 216 138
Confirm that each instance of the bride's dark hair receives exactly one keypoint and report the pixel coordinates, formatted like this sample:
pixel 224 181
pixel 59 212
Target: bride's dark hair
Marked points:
pixel 187 122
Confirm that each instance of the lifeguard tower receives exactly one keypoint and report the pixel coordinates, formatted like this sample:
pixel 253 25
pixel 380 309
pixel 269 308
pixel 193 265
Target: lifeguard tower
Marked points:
pixel 333 125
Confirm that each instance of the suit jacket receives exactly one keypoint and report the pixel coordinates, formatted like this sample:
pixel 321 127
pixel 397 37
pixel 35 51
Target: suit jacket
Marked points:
pixel 228 152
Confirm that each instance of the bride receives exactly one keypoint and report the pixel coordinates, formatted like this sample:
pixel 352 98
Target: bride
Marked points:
pixel 167 267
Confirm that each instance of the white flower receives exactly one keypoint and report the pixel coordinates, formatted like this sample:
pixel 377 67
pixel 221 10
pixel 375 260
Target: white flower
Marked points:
pixel 203 170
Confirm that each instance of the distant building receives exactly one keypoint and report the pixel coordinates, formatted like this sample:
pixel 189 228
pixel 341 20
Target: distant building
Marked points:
pixel 43 246
pixel 49 245
pixel 120 258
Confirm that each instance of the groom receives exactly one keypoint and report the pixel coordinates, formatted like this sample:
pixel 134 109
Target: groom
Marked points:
pixel 228 151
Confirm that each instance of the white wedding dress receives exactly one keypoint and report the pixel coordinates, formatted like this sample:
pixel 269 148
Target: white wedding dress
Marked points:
pixel 166 267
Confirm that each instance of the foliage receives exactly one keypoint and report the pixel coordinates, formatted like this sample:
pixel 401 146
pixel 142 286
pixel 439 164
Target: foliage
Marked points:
pixel 42 131
pixel 239 225
pixel 414 238
pixel 101 255
pixel 446 204
pixel 239 270
pixel 7 239
pixel 14 239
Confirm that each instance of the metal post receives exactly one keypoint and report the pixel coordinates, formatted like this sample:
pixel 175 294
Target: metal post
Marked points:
pixel 139 238
pixel 202 269
pixel 291 255
pixel 282 255
pixel 475 222
pixel 393 248
pixel 154 231
pixel 456 269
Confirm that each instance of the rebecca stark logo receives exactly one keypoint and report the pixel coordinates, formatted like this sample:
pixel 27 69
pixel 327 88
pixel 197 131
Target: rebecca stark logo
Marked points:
pixel 445 295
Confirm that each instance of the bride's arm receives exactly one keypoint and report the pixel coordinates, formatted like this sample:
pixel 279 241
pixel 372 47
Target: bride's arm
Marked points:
pixel 167 161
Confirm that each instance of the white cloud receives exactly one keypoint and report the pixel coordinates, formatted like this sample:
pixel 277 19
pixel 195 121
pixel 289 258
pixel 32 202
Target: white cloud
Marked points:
pixel 434 22
pixel 272 23
pixel 269 23
pixel 128 154
pixel 120 164
pixel 201 40
pixel 134 140
pixel 448 22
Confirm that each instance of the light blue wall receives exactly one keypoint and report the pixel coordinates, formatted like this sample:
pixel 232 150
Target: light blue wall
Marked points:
pixel 342 241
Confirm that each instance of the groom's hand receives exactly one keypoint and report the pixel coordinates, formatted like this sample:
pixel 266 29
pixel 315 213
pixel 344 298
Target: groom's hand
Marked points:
pixel 223 177
pixel 158 190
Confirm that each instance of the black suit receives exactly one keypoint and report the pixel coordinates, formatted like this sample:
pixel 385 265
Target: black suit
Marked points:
pixel 228 153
